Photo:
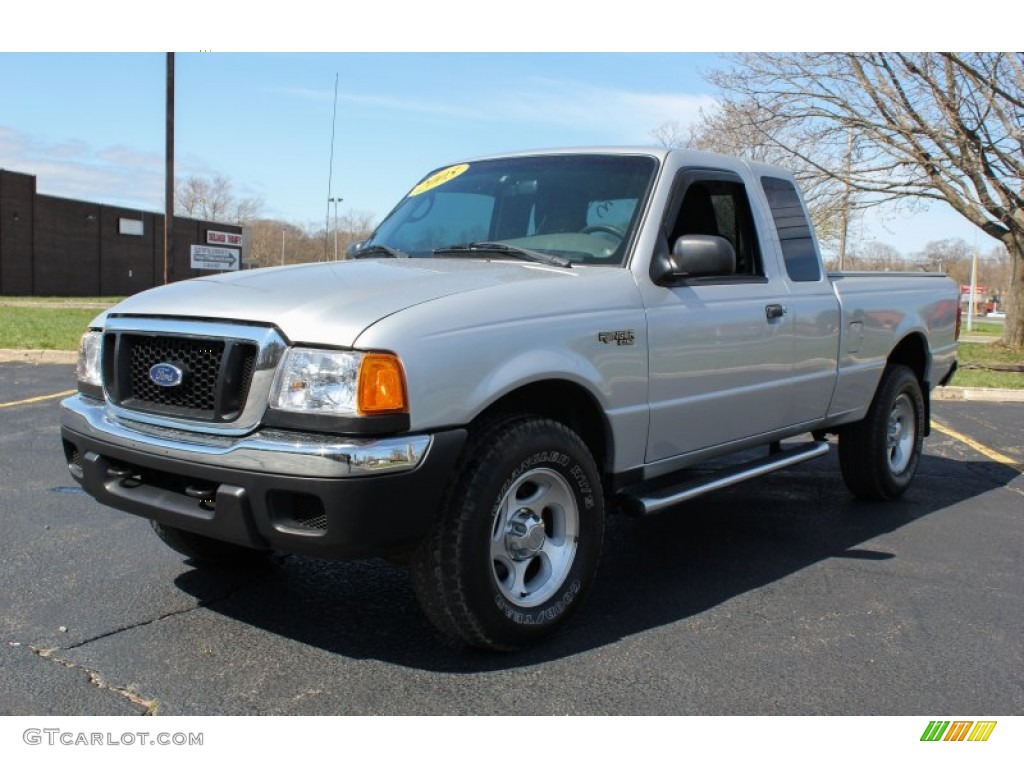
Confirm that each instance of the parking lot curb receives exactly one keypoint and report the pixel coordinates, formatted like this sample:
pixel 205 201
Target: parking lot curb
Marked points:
pixel 979 394
pixel 38 356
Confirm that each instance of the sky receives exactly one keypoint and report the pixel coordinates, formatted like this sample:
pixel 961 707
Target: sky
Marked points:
pixel 90 125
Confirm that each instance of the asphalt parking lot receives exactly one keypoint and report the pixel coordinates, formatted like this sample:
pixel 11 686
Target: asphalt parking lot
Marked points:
pixel 780 596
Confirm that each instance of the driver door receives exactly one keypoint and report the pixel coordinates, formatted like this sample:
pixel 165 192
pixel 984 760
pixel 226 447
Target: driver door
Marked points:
pixel 720 348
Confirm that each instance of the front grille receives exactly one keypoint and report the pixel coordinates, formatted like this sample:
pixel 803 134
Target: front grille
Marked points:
pixel 200 361
pixel 215 374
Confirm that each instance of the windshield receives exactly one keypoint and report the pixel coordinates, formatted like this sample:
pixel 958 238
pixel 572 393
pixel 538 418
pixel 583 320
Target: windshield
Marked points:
pixel 579 207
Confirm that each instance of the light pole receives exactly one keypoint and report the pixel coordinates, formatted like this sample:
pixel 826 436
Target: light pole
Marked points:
pixel 974 287
pixel 335 200
pixel 169 175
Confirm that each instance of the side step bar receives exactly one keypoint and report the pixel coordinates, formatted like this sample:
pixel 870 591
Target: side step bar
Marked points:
pixel 667 497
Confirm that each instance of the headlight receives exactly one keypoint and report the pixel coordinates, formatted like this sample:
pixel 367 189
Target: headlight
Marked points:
pixel 90 378
pixel 341 383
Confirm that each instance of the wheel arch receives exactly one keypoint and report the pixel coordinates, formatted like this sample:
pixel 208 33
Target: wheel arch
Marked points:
pixel 912 351
pixel 566 402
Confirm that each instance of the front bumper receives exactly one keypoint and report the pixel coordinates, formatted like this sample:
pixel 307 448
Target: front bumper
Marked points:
pixel 273 489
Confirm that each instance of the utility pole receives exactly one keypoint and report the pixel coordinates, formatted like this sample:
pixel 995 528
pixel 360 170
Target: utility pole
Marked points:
pixel 169 176
pixel 282 246
pixel 335 200
pixel 845 213
pixel 974 288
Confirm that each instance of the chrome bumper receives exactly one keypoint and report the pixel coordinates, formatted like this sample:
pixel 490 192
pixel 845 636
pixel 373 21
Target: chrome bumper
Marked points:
pixel 302 454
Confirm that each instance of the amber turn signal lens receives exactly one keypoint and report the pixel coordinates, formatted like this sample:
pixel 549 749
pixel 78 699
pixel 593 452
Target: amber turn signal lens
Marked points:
pixel 381 385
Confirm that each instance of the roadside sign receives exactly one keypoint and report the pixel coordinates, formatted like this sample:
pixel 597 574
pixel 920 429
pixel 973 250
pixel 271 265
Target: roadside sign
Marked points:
pixel 211 257
pixel 213 237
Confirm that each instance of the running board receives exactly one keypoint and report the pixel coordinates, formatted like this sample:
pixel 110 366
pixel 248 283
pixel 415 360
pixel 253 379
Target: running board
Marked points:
pixel 667 497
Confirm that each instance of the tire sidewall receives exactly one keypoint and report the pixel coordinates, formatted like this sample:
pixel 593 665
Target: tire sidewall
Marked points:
pixel 559 453
pixel 903 382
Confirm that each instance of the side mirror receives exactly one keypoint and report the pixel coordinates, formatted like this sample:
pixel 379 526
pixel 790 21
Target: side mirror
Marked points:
pixel 703 256
pixel 352 249
pixel 695 256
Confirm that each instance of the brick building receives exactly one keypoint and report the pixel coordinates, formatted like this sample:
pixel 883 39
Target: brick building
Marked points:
pixel 53 246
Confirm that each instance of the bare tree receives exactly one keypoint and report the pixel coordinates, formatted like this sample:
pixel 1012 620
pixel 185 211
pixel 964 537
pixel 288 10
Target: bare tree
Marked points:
pixel 876 256
pixel 671 134
pixel 943 127
pixel 353 227
pixel 952 256
pixel 743 129
pixel 996 272
pixel 213 199
pixel 272 242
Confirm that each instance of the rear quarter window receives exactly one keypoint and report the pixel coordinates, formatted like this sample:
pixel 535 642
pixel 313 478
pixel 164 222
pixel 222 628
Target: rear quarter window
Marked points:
pixel 798 251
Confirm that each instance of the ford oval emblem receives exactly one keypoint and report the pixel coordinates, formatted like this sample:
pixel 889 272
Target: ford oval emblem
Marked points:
pixel 166 375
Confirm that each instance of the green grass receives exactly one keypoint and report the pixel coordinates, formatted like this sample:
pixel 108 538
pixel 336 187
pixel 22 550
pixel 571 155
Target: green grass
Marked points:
pixel 107 301
pixel 981 328
pixel 980 354
pixel 43 327
pixel 987 353
pixel 989 379
pixel 75 301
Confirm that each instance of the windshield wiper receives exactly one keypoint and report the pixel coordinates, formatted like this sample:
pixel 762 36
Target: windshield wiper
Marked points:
pixel 380 250
pixel 505 250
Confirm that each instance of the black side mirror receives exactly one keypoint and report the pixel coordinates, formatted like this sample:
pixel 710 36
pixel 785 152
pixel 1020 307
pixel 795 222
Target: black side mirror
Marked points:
pixel 695 256
pixel 352 249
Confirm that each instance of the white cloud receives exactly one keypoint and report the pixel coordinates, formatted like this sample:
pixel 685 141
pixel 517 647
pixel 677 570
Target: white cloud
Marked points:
pixel 126 156
pixel 12 143
pixel 623 115
pixel 115 175
pixel 72 168
pixel 424 107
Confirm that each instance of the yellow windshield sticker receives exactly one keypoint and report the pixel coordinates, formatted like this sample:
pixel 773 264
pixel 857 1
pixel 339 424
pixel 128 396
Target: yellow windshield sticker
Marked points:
pixel 439 178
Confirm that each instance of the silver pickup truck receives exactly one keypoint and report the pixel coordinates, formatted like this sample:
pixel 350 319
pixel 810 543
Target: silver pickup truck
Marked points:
pixel 526 343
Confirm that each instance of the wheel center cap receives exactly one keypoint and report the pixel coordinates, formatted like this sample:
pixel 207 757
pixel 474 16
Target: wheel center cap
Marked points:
pixel 525 535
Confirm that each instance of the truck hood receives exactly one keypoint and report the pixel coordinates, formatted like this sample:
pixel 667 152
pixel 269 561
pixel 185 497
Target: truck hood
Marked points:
pixel 330 303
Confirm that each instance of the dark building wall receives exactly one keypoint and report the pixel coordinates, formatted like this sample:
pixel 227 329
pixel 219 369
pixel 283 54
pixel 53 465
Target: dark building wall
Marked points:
pixel 52 246
pixel 186 232
pixel 128 262
pixel 67 247
pixel 17 201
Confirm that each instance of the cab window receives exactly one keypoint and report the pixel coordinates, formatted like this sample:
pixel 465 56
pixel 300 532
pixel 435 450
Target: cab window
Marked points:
pixel 720 207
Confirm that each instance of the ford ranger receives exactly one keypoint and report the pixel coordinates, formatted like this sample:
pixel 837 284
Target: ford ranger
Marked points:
pixel 526 343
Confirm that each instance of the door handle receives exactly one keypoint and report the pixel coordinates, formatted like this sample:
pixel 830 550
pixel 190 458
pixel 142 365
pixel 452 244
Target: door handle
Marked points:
pixel 774 311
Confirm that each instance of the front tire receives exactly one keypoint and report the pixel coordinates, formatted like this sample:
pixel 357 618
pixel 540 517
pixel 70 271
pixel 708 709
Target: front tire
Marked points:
pixel 879 455
pixel 515 548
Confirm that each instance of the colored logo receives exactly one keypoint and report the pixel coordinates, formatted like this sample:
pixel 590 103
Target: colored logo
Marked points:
pixel 166 375
pixel 958 730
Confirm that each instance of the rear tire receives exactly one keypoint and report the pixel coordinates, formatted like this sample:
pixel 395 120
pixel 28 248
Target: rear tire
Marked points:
pixel 879 455
pixel 206 551
pixel 514 549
